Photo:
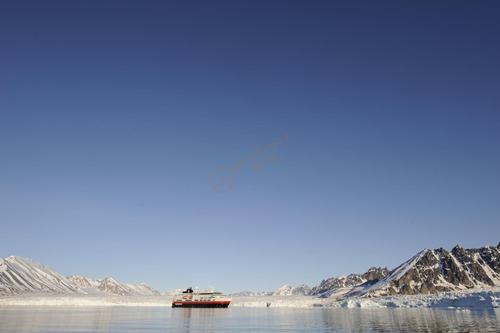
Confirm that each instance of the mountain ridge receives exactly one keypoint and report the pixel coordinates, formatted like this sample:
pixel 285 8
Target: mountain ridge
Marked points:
pixel 439 270
pixel 20 275
pixel 427 272
pixel 23 275
pixel 289 290
pixel 328 286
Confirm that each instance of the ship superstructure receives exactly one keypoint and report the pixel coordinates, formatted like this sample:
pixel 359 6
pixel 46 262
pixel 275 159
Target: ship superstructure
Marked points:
pixel 200 299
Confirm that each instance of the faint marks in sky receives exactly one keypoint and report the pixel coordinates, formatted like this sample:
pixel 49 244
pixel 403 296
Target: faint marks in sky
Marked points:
pixel 222 177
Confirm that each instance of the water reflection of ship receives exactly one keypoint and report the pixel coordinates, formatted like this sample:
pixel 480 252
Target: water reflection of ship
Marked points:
pixel 198 320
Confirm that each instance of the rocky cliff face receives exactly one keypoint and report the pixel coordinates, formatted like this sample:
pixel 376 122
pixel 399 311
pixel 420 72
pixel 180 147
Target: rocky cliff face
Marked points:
pixel 375 274
pixel 332 285
pixel 439 270
pixel 428 272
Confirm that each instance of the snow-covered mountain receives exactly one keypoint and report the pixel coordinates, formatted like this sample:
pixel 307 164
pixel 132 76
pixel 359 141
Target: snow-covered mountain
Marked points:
pixel 143 289
pixel 247 293
pixel 428 272
pixel 84 282
pixel 439 270
pixel 288 290
pixel 332 285
pixel 112 286
pixel 22 275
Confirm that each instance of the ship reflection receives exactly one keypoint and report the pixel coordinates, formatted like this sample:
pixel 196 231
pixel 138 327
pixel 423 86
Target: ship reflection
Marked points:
pixel 199 319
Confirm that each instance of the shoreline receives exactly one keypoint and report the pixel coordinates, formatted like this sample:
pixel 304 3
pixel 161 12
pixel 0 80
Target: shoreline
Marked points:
pixel 474 299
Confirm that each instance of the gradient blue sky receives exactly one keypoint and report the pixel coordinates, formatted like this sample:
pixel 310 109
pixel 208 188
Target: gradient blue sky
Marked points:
pixel 114 115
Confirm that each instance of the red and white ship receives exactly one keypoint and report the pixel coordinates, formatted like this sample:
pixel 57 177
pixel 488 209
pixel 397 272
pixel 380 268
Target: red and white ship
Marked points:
pixel 202 299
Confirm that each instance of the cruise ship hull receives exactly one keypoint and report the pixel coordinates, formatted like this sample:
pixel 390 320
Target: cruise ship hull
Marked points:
pixel 200 304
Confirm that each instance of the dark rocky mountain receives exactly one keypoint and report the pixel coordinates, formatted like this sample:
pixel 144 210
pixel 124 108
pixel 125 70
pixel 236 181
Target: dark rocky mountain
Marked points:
pixel 439 270
pixel 329 286
pixel 428 272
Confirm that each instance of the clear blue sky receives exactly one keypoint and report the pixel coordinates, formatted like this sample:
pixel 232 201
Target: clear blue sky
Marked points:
pixel 115 115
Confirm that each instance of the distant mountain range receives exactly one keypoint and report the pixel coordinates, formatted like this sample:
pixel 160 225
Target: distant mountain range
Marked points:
pixel 111 286
pixel 22 275
pixel 247 293
pixel 329 286
pixel 428 272
pixel 288 290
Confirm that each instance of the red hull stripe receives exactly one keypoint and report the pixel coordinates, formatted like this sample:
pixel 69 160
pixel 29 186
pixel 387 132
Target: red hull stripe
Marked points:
pixel 202 303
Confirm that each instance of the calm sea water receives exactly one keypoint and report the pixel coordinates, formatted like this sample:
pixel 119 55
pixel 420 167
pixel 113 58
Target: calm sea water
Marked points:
pixel 151 320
